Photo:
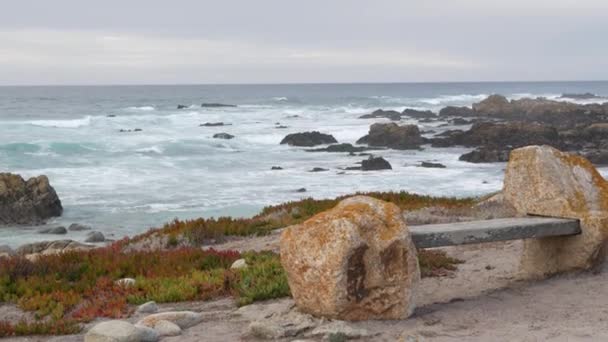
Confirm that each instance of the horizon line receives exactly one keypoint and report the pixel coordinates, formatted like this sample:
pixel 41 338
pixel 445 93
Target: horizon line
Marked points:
pixel 285 83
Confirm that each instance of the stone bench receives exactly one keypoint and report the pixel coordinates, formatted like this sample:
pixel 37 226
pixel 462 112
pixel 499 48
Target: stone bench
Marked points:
pixel 359 260
pixel 461 233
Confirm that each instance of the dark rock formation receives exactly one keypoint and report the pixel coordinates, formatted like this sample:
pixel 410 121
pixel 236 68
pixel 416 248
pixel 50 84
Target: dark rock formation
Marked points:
pixel 95 237
pixel 301 190
pixel 456 111
pixel 223 136
pixel 375 163
pixel 308 139
pixel 348 148
pixel 76 227
pixel 388 114
pixel 182 106
pixel 30 202
pixel 583 96
pixel 393 136
pixel 276 168
pixel 213 124
pixel 130 130
pixel 459 122
pixel 216 105
pixel 418 114
pixel 318 169
pixel 54 230
pixel 432 165
pixel 486 155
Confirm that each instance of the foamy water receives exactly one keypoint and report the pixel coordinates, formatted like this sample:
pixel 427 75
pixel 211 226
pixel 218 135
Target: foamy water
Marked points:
pixel 124 183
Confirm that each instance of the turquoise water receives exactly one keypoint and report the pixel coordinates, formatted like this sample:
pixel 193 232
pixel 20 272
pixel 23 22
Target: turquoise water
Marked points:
pixel 124 183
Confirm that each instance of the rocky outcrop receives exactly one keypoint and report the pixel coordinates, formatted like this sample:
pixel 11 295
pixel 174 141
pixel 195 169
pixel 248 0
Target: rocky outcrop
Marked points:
pixel 353 262
pixel 27 202
pixel 345 147
pixel 432 165
pixel 94 237
pixel 308 139
pixel 418 114
pixel 375 163
pixel 51 247
pixel 393 136
pixel 486 155
pixel 55 230
pixel 183 319
pixel 180 106
pixel 541 180
pixel 213 124
pixel 456 111
pixel 223 136
pixel 216 105
pixel 388 114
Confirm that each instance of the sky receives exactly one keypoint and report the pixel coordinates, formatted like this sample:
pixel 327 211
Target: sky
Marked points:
pixel 272 41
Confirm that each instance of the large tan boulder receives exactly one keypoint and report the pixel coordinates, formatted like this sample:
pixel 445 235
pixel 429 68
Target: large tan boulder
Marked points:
pixel 354 262
pixel 541 180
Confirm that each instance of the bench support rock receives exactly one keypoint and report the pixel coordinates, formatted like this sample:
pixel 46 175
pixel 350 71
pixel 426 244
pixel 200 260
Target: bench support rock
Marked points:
pixel 353 262
pixel 541 180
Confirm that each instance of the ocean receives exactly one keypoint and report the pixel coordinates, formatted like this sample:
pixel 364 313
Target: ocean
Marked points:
pixel 122 183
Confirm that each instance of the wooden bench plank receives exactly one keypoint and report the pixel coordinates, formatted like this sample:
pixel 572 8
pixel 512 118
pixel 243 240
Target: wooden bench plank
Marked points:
pixel 460 233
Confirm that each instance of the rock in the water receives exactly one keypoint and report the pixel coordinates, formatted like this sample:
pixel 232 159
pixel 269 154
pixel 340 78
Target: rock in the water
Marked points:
pixel 75 227
pixel 55 230
pixel 341 148
pixel 301 190
pixel 223 136
pixel 541 180
pixel 353 262
pixel 118 331
pixel 432 165
pixel 388 114
pixel 30 202
pixel 486 155
pixel 375 163
pixel 583 96
pixel 182 106
pixel 213 124
pixel 393 136
pixel 456 111
pixel 308 139
pixel 216 105
pixel 494 105
pixel 95 237
pixel 318 169
pixel 166 328
pixel 276 168
pixel 148 307
pixel 238 264
pixel 183 319
pixel 418 114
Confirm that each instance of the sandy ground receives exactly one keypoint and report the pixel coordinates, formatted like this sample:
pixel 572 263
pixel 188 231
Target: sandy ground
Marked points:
pixel 483 301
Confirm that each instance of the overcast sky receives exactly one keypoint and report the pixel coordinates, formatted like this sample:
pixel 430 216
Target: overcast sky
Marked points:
pixel 283 41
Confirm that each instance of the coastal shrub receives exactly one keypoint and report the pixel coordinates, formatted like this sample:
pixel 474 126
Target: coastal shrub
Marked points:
pixel 203 230
pixel 24 328
pixel 263 278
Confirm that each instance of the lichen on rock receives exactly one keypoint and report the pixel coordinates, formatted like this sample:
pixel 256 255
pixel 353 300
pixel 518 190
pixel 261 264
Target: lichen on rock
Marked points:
pixel 353 262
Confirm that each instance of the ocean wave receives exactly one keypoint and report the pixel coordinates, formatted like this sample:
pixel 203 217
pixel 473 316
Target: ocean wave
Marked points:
pixel 280 99
pixel 73 123
pixel 67 148
pixel 20 148
pixel 141 109
pixel 461 99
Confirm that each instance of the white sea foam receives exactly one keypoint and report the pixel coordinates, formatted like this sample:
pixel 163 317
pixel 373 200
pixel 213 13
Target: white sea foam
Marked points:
pixel 141 108
pixel 72 123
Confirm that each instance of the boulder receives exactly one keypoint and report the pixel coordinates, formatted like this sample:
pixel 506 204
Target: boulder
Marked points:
pixel 95 237
pixel 213 124
pixel 388 114
pixel 418 114
pixel 238 264
pixel 486 155
pixel 432 165
pixel 223 136
pixel 494 105
pixel 318 169
pixel 216 105
pixel 181 106
pixel 308 139
pixel 166 328
pixel 183 319
pixel 27 202
pixel 541 180
pixel 349 148
pixel 76 227
pixel 148 307
pixel 353 262
pixel 375 163
pixel 393 136
pixel 52 247
pixel 456 111
pixel 276 168
pixel 118 331
pixel 55 230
